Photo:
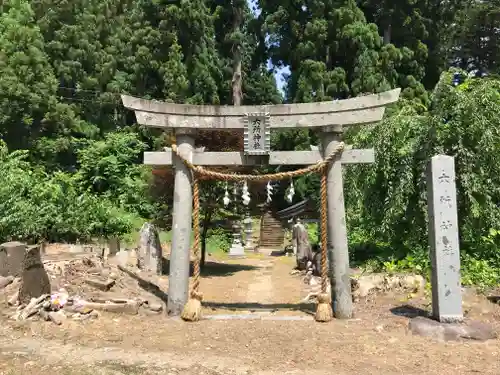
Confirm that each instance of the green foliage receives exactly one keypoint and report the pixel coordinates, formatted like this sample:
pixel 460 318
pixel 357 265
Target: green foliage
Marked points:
pixel 110 168
pixel 38 206
pixel 29 109
pixel 422 30
pixel 388 201
pixel 334 53
pixel 475 39
pixel 312 232
pixel 219 239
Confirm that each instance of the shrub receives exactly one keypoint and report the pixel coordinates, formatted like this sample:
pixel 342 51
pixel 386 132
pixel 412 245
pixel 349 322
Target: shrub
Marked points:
pixel 35 205
pixel 387 202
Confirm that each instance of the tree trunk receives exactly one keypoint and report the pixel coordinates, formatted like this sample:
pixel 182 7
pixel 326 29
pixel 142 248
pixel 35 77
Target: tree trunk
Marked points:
pixel 237 78
pixel 388 34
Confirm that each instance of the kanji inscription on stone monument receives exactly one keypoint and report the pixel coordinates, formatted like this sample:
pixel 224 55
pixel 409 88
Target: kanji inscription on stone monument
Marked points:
pixel 444 240
pixel 257 135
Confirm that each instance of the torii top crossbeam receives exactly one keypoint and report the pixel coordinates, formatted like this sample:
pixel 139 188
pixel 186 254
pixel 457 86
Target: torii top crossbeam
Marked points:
pixel 257 123
pixel 359 110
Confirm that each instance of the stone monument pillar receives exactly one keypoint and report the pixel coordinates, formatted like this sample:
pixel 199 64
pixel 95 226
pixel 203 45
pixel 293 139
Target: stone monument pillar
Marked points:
pixel 444 240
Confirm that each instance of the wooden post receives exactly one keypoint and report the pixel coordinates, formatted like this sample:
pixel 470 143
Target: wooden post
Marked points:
pixel 178 278
pixel 337 232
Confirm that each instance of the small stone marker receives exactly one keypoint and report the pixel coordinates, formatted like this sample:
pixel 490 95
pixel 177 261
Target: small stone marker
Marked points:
pixel 444 240
pixel 150 252
pixel 11 258
pixel 113 246
pixel 34 279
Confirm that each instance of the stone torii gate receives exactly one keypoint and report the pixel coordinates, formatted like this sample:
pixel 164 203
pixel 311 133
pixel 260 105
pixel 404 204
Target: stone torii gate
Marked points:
pixel 257 122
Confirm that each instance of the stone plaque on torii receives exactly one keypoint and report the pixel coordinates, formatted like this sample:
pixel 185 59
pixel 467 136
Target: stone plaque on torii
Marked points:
pixel 257 122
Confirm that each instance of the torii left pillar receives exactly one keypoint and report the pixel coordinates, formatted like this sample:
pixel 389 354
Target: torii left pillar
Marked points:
pixel 178 288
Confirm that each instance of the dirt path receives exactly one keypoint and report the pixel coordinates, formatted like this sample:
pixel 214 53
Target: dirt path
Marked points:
pixel 261 289
pixel 38 351
pixel 238 347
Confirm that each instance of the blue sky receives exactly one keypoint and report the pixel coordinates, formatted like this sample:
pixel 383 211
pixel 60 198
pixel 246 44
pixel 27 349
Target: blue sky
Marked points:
pixel 280 82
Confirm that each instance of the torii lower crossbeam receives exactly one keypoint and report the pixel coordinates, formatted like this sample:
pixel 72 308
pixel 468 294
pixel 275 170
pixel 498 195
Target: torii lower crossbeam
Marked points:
pixel 275 158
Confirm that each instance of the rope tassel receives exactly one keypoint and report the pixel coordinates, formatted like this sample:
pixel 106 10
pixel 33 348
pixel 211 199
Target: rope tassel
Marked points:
pixel 324 312
pixel 192 309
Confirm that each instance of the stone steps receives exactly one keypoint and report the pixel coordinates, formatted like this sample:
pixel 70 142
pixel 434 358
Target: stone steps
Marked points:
pixel 271 232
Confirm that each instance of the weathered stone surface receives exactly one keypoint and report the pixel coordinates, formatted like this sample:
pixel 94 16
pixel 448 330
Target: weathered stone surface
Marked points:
pixel 127 258
pixel 301 245
pixel 182 215
pixel 57 317
pixel 236 249
pixel 366 284
pixel 100 284
pixel 129 308
pixel 212 158
pixel 316 261
pixel 472 330
pixel 6 280
pixel 150 251
pixel 338 256
pixel 34 279
pixel 11 258
pixel 156 307
pixel 349 111
pixel 14 299
pixel 444 240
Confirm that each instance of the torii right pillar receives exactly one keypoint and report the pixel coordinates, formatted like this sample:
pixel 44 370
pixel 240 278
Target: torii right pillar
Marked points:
pixel 338 251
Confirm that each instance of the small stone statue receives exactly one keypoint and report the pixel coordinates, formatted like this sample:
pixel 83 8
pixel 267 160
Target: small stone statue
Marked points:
pixel 301 245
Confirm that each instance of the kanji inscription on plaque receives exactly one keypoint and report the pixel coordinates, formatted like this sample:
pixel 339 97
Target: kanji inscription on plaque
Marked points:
pixel 257 135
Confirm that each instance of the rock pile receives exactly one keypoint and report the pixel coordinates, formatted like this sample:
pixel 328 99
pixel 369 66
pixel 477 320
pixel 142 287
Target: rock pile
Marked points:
pixel 87 285
pixel 364 285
